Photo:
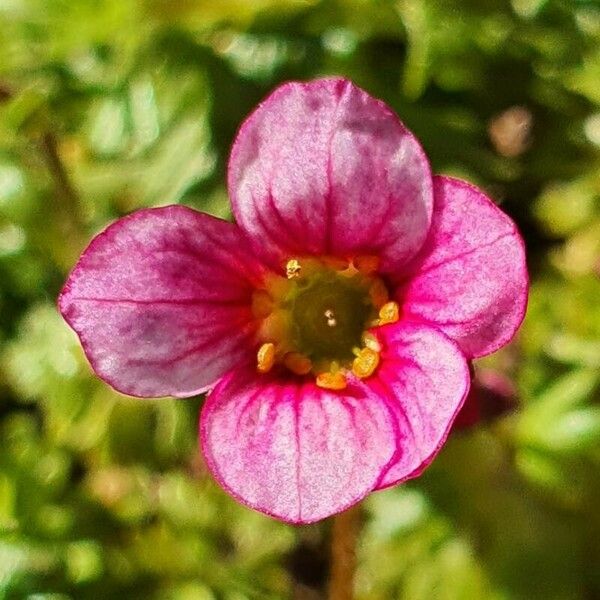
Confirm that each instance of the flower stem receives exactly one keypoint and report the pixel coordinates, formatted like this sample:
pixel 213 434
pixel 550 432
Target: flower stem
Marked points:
pixel 344 535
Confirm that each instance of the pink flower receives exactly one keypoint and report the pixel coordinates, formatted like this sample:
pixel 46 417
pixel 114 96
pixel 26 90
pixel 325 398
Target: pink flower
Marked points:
pixel 333 323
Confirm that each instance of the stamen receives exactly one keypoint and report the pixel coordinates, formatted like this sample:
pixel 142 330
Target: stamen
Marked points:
pixel 265 357
pixel 314 318
pixel 262 304
pixel 367 265
pixel 370 341
pixel 331 381
pixel 293 268
pixel 275 326
pixel 365 363
pixel 389 313
pixel 297 363
pixel 378 293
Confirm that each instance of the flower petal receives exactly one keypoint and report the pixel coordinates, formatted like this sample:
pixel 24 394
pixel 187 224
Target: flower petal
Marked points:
pixel 471 279
pixel 292 450
pixel 161 301
pixel 324 168
pixel 424 378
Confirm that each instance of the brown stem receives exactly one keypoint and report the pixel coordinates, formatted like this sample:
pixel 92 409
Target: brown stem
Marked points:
pixel 344 535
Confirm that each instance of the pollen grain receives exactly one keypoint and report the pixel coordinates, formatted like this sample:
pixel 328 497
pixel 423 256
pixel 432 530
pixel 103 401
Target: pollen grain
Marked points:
pixel 389 313
pixel 370 341
pixel 293 268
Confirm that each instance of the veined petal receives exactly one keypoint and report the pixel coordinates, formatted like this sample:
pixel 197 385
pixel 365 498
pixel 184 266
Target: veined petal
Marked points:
pixel 324 168
pixel 471 279
pixel 161 301
pixel 293 450
pixel 424 378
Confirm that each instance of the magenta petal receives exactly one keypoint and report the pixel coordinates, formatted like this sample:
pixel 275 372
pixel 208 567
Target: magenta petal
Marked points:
pixel 161 301
pixel 471 281
pixel 293 450
pixel 424 378
pixel 322 167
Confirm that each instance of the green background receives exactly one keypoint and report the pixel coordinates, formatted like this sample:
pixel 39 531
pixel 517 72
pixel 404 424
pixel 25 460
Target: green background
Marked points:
pixel 107 106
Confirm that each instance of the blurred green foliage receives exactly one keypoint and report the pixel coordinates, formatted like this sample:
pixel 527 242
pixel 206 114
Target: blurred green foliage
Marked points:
pixel 107 106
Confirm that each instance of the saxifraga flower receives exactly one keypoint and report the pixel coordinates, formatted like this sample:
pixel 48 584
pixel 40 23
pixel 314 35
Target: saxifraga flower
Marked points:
pixel 332 324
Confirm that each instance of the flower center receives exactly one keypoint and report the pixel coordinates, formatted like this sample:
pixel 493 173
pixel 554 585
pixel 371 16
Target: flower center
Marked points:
pixel 315 319
pixel 329 316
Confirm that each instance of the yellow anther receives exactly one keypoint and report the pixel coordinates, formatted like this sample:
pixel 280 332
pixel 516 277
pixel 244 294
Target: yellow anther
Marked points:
pixel 389 313
pixel 265 357
pixel 365 363
pixel 297 363
pixel 366 264
pixel 292 268
pixel 331 381
pixel 378 293
pixel 262 304
pixel 370 341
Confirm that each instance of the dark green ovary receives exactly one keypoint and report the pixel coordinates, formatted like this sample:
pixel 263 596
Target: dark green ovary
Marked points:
pixel 329 317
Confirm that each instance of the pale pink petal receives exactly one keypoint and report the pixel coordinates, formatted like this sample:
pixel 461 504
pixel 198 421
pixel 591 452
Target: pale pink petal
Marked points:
pixel 160 301
pixel 471 279
pixel 293 450
pixel 424 378
pixel 324 168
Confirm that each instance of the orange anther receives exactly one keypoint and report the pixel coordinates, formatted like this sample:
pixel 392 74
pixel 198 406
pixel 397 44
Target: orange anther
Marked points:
pixel 365 363
pixel 297 363
pixel 366 264
pixel 331 381
pixel 378 293
pixel 389 313
pixel 262 304
pixel 265 357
